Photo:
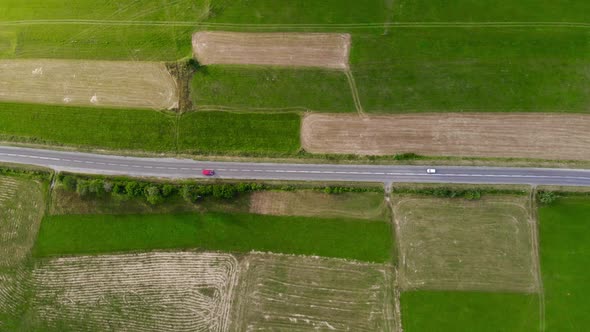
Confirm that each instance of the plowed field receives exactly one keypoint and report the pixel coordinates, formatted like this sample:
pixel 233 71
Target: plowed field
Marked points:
pixel 161 291
pixel 290 293
pixel 544 136
pixel 326 50
pixel 83 83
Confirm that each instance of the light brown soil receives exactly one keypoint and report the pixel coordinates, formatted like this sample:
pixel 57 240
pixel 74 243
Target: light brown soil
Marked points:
pixel 156 291
pixel 525 135
pixel 88 83
pixel 317 204
pixel 326 50
pixel 454 244
pixel 295 293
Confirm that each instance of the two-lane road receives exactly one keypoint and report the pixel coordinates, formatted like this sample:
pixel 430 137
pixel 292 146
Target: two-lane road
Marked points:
pixel 185 168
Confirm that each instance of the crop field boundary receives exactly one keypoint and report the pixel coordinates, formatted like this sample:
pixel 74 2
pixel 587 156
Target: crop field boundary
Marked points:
pixel 301 26
pixel 355 93
pixel 535 242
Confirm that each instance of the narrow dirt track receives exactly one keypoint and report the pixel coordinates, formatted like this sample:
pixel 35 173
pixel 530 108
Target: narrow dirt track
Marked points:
pixel 325 50
pixel 525 135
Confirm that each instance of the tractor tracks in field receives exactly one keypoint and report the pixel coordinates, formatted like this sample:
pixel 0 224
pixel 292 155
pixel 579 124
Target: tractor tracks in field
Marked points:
pixel 301 26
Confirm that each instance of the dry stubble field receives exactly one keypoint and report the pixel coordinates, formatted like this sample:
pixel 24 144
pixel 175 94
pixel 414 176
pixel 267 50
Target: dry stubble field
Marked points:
pixel 310 203
pixel 455 244
pixel 21 210
pixel 518 135
pixel 158 291
pixel 324 50
pixel 295 293
pixel 88 83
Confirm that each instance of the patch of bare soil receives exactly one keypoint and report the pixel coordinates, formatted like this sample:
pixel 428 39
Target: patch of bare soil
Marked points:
pixel 88 83
pixel 310 203
pixel 157 291
pixel 454 244
pixel 294 293
pixel 517 135
pixel 325 50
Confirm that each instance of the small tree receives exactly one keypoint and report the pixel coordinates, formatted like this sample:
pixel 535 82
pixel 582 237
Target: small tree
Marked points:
pixel 546 197
pixel 83 188
pixel 168 190
pixel 69 182
pixel 153 195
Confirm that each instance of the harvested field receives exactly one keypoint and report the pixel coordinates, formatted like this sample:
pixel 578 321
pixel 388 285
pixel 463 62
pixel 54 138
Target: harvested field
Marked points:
pixel 83 83
pixel 325 50
pixel 158 291
pixel 295 293
pixel 542 136
pixel 21 210
pixel 310 203
pixel 454 244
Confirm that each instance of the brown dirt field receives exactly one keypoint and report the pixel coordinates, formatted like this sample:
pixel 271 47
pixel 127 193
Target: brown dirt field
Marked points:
pixel 325 50
pixel 518 135
pixel 308 203
pixel 297 293
pixel 455 244
pixel 88 83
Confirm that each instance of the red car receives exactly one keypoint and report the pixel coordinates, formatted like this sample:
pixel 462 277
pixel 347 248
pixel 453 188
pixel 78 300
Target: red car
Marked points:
pixel 208 172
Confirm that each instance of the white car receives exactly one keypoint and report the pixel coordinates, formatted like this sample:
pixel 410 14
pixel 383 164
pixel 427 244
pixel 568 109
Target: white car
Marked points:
pixel 431 171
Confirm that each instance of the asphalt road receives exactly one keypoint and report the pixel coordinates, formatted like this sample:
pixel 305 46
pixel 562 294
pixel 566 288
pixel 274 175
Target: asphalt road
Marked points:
pixel 184 168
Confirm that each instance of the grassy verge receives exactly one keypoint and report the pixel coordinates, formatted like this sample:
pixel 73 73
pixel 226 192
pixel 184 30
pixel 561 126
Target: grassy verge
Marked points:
pixel 276 89
pixel 91 234
pixel 469 311
pixel 565 258
pixel 239 133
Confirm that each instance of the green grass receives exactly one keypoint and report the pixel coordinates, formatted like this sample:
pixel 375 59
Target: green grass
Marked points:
pixel 104 40
pixel 492 11
pixel 565 261
pixel 91 234
pixel 450 69
pixel 244 133
pixel 275 88
pixel 146 130
pixel 300 12
pixel 88 127
pixel 469 311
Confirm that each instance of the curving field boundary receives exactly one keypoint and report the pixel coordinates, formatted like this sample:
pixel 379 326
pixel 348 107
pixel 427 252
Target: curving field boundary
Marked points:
pixel 324 50
pixel 516 135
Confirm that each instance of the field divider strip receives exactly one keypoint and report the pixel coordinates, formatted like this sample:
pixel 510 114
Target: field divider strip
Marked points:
pixel 536 257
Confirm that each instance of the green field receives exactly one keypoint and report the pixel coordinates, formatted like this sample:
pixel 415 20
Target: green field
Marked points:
pixel 345 238
pixel 565 257
pixel 300 12
pixel 43 33
pixel 146 130
pixel 275 88
pixel 88 127
pixel 469 311
pixel 486 69
pixel 491 11
pixel 239 133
